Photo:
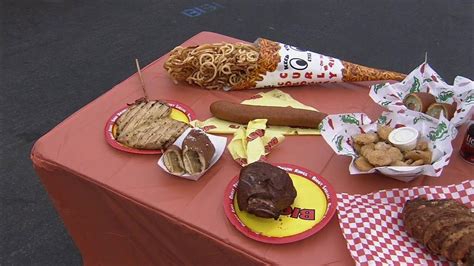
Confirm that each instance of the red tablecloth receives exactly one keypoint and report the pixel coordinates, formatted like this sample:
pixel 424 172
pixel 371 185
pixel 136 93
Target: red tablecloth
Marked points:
pixel 120 208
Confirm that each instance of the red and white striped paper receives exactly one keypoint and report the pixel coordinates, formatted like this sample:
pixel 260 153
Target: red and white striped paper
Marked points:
pixel 373 227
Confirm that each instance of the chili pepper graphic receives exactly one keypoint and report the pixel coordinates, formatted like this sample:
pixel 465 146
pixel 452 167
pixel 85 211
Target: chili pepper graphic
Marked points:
pixel 330 123
pixel 415 87
pixel 377 87
pixel 382 119
pixel 439 132
pixel 445 95
pixel 349 119
pixel 401 111
pixel 399 125
pixel 348 141
pixel 339 143
pixel 470 98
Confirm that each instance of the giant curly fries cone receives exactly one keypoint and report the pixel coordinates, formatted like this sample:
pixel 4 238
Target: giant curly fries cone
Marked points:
pixel 263 64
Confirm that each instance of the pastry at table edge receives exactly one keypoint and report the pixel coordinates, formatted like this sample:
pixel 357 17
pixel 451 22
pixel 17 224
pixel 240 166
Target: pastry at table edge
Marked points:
pixel 276 116
pixel 445 227
pixel 197 152
pixel 147 125
pixel 264 190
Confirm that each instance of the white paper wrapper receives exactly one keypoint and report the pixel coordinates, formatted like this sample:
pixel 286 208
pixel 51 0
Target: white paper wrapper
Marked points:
pixel 338 130
pixel 425 79
pixel 218 142
pixel 298 67
pixel 373 227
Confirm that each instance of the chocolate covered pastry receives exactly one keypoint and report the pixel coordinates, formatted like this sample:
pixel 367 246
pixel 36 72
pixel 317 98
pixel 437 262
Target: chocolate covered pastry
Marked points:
pixel 445 227
pixel 197 152
pixel 264 190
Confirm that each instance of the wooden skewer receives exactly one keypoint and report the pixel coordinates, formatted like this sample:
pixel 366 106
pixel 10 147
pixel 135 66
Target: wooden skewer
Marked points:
pixel 141 78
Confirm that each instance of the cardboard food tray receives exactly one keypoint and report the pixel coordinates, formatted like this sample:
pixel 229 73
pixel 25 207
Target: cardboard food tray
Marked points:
pixel 219 145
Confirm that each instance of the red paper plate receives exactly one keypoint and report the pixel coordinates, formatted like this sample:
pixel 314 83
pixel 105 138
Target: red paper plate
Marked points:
pixel 179 112
pixel 314 206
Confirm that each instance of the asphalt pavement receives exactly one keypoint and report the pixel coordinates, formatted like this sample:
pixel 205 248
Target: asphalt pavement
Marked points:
pixel 57 56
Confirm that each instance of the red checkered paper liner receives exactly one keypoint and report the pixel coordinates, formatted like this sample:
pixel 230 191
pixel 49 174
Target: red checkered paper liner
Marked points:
pixel 373 228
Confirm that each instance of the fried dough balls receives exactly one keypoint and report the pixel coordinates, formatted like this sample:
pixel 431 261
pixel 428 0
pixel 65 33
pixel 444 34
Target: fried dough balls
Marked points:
pixel 382 146
pixel 395 154
pixel 366 149
pixel 366 138
pixel 384 131
pixel 416 155
pixel 379 158
pixel 375 150
pixel 362 164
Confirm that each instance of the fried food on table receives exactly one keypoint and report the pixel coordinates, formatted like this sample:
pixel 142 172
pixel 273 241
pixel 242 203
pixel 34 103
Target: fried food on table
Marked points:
pixel 444 226
pixel 147 125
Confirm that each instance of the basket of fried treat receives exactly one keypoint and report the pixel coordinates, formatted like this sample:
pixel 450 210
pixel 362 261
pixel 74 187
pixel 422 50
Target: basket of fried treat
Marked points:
pixel 396 145
pixel 424 93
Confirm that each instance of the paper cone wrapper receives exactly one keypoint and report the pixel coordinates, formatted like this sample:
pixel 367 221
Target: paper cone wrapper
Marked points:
pixel 282 65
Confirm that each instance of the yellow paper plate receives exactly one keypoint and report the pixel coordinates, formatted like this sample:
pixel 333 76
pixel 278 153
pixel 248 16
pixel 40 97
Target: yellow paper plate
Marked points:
pixel 179 111
pixel 313 208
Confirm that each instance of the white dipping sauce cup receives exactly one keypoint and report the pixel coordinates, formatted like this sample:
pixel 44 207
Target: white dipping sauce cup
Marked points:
pixel 404 138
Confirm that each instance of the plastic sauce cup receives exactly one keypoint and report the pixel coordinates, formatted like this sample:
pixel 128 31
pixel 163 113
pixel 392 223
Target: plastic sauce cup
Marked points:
pixel 404 138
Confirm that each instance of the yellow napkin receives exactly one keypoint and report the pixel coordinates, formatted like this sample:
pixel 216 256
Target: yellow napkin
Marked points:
pixel 271 98
pixel 253 143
